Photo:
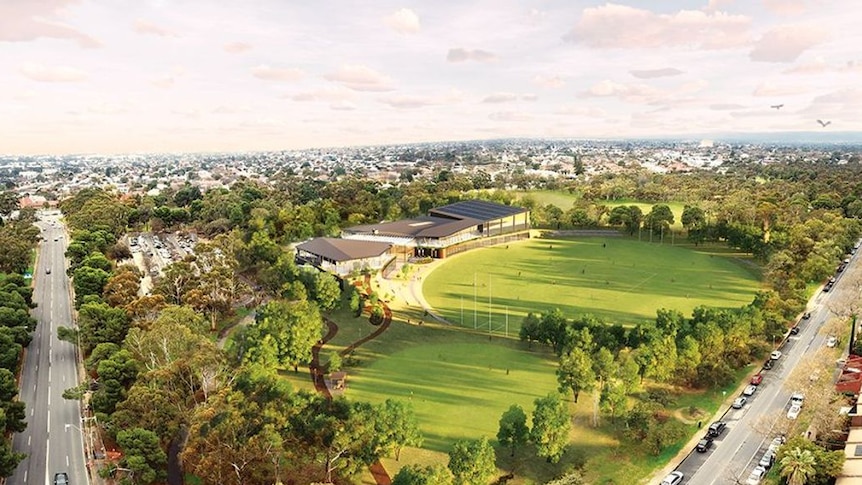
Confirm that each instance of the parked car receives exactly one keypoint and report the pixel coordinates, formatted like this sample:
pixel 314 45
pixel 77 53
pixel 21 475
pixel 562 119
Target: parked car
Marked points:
pixel 767 460
pixel 797 398
pixel 675 478
pixel 775 355
pixel 832 341
pixel 61 478
pixel 704 444
pixel 806 315
pixel 756 476
pixel 716 428
pixel 749 390
pixel 756 379
pixel 793 413
pixel 739 402
pixel 47 270
pixel 776 442
pixel 768 364
pixel 794 330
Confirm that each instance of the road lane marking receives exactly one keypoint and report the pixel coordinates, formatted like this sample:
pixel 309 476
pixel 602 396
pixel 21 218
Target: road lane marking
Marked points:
pixel 28 441
pixel 67 461
pixel 25 476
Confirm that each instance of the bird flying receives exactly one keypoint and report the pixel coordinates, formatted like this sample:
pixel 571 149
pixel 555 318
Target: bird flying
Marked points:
pixel 777 106
pixel 824 124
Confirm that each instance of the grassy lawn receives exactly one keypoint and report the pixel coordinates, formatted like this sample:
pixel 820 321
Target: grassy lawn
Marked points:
pixel 617 279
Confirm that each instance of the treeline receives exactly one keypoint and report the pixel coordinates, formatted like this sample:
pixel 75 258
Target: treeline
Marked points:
pixel 18 237
pixel 159 379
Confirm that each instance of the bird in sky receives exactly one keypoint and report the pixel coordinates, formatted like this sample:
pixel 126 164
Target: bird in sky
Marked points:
pixel 824 124
pixel 777 106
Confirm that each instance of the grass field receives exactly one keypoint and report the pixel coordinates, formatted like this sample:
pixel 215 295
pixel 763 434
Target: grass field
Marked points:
pixel 617 279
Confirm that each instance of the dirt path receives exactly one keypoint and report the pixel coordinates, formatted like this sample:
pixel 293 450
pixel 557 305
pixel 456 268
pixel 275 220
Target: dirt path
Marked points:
pixel 381 477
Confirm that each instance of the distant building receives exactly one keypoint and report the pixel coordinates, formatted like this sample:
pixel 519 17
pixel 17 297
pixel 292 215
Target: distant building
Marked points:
pixel 443 232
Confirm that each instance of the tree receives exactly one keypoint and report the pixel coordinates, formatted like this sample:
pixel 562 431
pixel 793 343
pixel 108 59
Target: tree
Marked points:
pixel 98 323
pixel 418 475
pixel 575 372
pixel 177 279
pixel 513 431
pixel 323 288
pixel 88 281
pixel 660 218
pixel 551 425
pixel 143 455
pixel 399 426
pixel 472 462
pixel 293 327
pixel 571 478
pixel 797 465
pixel 123 286
pixel 12 412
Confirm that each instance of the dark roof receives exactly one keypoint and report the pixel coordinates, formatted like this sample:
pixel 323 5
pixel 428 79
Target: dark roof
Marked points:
pixel 426 226
pixel 344 249
pixel 481 210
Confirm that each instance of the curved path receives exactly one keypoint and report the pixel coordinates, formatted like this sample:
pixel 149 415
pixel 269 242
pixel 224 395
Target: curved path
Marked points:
pixel 381 477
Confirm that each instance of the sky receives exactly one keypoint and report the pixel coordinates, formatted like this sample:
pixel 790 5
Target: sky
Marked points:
pixel 121 76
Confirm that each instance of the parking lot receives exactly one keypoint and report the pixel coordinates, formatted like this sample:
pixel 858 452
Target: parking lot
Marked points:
pixel 152 253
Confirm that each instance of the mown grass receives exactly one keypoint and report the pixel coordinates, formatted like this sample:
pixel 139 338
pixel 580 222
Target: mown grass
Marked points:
pixel 619 280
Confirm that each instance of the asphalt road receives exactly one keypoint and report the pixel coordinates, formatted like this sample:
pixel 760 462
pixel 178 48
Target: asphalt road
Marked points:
pixel 736 452
pixel 52 440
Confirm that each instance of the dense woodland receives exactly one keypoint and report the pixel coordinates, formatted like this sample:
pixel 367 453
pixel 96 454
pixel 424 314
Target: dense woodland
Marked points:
pixel 164 382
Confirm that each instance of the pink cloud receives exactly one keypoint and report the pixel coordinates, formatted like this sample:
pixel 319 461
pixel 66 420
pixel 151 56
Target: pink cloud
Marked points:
pixel 549 82
pixel 52 74
pixel 27 20
pixel 237 47
pixel 500 98
pixel 636 93
pixel 148 28
pixel 360 78
pixel 329 93
pixel 726 106
pixel 786 43
pixel 509 116
pixel 653 73
pixel 403 21
pixel 342 106
pixel 769 89
pixel 284 74
pixel 620 26
pixel 462 55
pixel 409 102
pixel 785 7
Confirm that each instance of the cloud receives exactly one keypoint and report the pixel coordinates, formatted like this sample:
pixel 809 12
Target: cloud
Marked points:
pixel 284 74
pixel 785 7
pixel 509 116
pixel 726 106
pixel 500 98
pixel 529 97
pixel 55 74
pixel 360 78
pixel 409 102
pixel 403 21
pixel 549 82
pixel 462 55
pixel 343 106
pixel 23 21
pixel 769 89
pixel 588 111
pixel 636 93
pixel 820 66
pixel 620 26
pixel 328 94
pixel 148 28
pixel 163 82
pixel 654 73
pixel 105 108
pixel 237 47
pixel 714 5
pixel 785 43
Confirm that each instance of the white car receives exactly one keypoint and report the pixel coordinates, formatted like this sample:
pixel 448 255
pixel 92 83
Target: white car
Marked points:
pixel 775 355
pixel 797 399
pixel 739 403
pixel 756 476
pixel 675 478
pixel 793 413
pixel 831 341
pixel 749 391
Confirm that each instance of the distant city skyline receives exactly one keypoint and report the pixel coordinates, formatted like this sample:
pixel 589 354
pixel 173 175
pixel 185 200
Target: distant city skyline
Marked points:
pixel 85 76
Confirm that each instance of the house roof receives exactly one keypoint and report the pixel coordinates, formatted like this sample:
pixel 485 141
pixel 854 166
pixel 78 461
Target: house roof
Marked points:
pixel 425 226
pixel 336 249
pixel 481 210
